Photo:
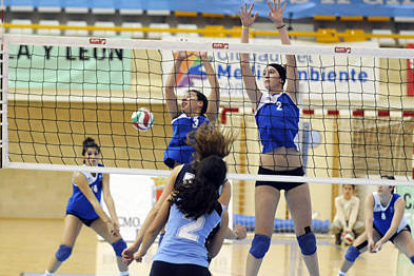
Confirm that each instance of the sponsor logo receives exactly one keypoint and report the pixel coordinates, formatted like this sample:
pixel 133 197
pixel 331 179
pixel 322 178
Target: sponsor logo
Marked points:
pixel 343 50
pixel 217 45
pixel 101 41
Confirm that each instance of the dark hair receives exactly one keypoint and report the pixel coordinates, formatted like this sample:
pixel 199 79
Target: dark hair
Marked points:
pixel 281 70
pixel 198 196
pixel 89 143
pixel 203 98
pixel 208 140
pixel 389 177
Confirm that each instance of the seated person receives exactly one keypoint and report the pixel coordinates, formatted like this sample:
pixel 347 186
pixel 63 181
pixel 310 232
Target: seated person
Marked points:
pixel 345 221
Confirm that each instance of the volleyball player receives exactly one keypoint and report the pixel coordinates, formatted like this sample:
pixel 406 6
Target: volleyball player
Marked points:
pixel 195 110
pixel 277 118
pixel 192 212
pixel 84 208
pixel 207 141
pixel 384 221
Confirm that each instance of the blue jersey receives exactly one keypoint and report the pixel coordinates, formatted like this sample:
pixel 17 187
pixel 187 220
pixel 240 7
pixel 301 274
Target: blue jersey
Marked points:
pixel 383 215
pixel 184 239
pixel 277 118
pixel 78 204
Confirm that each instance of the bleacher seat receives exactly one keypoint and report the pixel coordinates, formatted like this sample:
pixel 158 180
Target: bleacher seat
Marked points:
pixel 76 10
pixel 132 34
pixel 76 32
pixel 158 12
pixel 214 31
pixel 131 11
pixel 47 31
pixel 21 31
pixel 402 41
pixel 190 27
pixel 403 19
pixel 383 41
pixel 21 8
pixel 49 9
pixel 103 11
pixel 157 35
pixel 104 33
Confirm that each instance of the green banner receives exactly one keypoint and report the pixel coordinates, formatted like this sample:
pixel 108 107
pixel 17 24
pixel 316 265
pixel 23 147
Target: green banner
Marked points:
pixel 404 266
pixel 49 67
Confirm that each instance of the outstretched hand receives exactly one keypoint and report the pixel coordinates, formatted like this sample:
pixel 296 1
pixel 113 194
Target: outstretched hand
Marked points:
pixel 246 17
pixel 276 11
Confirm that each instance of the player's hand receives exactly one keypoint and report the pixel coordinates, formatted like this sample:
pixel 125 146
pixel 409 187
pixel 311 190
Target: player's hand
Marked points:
pixel 128 255
pixel 370 245
pixel 111 228
pixel 240 232
pixel 117 227
pixel 276 12
pixel 203 56
pixel 246 17
pixel 183 55
pixel 138 256
pixel 378 246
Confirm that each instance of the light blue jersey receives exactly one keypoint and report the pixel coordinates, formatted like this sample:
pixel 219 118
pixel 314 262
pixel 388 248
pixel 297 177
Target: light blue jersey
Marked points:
pixel 177 150
pixel 78 204
pixel 184 240
pixel 277 118
pixel 383 215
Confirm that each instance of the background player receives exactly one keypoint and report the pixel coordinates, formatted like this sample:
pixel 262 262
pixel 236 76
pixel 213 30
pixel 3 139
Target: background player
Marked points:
pixel 195 110
pixel 277 117
pixel 384 221
pixel 192 211
pixel 84 208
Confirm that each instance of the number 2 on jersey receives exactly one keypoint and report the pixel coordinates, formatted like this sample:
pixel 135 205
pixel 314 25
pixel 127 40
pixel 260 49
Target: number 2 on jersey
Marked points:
pixel 187 231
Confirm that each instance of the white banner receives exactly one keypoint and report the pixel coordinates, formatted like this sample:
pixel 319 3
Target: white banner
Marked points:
pixel 321 77
pixel 134 196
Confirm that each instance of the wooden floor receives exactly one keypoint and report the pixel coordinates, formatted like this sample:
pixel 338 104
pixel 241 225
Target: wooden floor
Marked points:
pixel 27 245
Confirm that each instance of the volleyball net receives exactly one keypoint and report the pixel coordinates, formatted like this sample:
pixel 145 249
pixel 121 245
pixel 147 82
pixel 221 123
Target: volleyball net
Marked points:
pixel 356 105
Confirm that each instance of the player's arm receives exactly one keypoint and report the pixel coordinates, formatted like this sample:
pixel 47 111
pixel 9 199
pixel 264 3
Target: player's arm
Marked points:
pixel 292 76
pixel 168 188
pixel 215 245
pixel 399 207
pixel 214 98
pixel 249 79
pixel 170 85
pixel 109 201
pixel 154 229
pixel 369 221
pixel 354 214
pixel 83 185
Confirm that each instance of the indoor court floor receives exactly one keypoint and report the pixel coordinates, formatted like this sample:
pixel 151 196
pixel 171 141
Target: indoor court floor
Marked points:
pixel 27 245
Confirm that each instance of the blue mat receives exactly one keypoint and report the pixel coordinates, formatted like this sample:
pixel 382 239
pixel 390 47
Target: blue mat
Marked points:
pixel 281 225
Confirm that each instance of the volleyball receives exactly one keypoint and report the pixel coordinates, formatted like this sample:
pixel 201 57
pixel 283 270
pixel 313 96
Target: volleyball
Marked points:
pixel 348 239
pixel 142 120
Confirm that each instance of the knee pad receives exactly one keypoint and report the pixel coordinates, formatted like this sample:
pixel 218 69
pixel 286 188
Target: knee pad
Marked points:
pixel 352 254
pixel 119 246
pixel 307 243
pixel 412 259
pixel 260 246
pixel 63 253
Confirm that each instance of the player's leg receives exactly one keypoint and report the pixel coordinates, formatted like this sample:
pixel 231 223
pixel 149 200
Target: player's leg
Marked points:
pixel 404 242
pixel 118 244
pixel 299 203
pixel 266 200
pixel 336 229
pixel 72 226
pixel 360 246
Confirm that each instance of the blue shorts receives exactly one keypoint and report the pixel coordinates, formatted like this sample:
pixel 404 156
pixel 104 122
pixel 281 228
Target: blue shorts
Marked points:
pixel 278 184
pixel 87 222
pixel 406 228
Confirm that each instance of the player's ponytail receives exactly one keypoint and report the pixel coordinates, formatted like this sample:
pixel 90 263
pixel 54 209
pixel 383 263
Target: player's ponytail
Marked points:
pixel 89 143
pixel 198 196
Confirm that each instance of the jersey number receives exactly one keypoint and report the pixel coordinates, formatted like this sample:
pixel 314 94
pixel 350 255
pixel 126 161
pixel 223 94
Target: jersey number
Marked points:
pixel 279 105
pixel 187 231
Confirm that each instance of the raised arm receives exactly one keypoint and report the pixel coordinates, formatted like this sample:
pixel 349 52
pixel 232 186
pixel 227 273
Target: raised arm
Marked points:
pixel 249 79
pixel 398 215
pixel 369 221
pixel 170 85
pixel 292 76
pixel 214 98
pixel 127 255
